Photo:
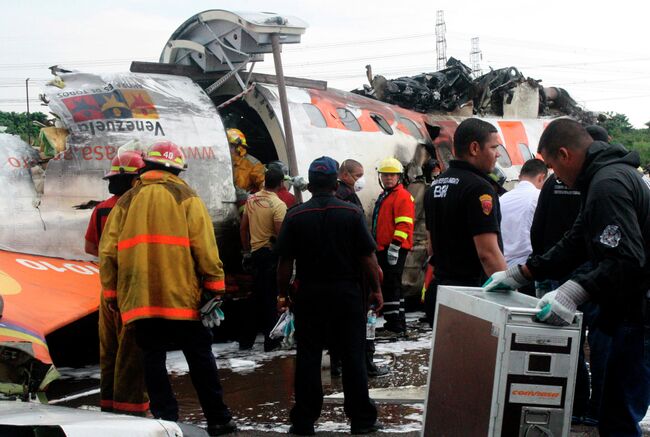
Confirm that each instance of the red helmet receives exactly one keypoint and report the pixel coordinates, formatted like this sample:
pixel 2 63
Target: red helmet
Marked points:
pixel 126 162
pixel 167 154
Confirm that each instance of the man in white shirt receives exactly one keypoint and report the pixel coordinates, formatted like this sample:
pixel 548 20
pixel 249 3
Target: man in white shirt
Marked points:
pixel 517 211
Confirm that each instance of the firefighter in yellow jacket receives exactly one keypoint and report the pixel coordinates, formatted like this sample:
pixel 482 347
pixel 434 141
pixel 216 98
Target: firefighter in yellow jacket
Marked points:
pixel 157 254
pixel 392 228
pixel 248 171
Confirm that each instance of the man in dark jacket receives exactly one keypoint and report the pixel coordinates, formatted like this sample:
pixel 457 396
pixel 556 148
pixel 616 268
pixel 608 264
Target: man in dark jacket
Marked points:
pixel 613 232
pixel 333 250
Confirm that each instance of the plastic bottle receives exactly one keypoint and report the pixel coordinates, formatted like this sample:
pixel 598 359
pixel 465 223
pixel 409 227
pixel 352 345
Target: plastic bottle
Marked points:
pixel 371 324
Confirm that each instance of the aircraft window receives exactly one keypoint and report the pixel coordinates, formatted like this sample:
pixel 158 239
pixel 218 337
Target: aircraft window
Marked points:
pixel 382 123
pixel 315 116
pixel 525 152
pixel 504 160
pixel 413 129
pixel 348 119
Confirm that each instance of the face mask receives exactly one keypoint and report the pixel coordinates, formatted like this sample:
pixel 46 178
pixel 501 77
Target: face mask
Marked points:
pixel 359 184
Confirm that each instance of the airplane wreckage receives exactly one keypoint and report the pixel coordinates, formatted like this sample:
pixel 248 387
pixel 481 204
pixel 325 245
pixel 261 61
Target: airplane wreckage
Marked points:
pixel 203 84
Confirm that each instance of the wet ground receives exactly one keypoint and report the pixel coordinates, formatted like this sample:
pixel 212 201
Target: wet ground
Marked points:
pixel 259 386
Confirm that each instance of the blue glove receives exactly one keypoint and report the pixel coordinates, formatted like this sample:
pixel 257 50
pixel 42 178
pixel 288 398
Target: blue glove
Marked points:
pixel 510 279
pixel 558 307
pixel 393 254
pixel 211 314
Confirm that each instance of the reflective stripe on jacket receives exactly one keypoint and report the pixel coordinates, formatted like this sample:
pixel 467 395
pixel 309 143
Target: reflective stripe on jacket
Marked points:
pixel 394 217
pixel 158 250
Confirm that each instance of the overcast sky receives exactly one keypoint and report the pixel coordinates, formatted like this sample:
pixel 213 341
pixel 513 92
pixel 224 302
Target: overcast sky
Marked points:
pixel 598 52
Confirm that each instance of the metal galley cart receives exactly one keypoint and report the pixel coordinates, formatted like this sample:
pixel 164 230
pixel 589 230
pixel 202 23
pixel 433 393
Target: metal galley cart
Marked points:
pixel 495 371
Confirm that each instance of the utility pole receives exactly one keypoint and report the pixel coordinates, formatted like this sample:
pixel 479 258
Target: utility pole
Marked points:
pixel 441 42
pixel 475 57
pixel 29 124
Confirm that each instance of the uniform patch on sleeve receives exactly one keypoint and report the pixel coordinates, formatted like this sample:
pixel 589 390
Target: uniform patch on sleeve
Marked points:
pixel 486 203
pixel 610 236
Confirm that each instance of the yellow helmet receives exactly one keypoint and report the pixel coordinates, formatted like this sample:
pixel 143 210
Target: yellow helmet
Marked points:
pixel 236 137
pixel 390 165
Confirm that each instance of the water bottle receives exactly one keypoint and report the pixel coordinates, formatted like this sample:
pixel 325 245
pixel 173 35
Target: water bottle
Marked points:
pixel 371 324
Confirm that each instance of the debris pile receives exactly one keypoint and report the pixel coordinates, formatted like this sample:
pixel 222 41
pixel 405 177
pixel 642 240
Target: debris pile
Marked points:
pixel 453 88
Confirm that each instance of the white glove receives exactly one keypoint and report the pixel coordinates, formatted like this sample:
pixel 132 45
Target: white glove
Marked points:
pixel 558 307
pixel 211 314
pixel 510 279
pixel 392 255
pixel 299 183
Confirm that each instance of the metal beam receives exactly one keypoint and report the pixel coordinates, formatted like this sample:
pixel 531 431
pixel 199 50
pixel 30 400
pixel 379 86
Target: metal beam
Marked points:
pixel 284 106
pixel 196 74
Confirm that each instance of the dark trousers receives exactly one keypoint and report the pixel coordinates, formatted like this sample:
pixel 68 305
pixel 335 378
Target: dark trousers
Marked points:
pixel 391 288
pixel 431 295
pixel 586 401
pixel 158 336
pixel 323 313
pixel 335 355
pixel 264 300
pixel 626 394
pixel 588 394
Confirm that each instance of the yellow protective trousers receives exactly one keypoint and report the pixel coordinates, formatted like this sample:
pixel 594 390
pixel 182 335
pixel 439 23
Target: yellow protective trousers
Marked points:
pixel 122 386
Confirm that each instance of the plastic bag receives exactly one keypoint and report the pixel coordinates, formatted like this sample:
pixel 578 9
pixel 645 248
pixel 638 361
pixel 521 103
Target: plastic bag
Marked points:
pixel 289 330
pixel 278 330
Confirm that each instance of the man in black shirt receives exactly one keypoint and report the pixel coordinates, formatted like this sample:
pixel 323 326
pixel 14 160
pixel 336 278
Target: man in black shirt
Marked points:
pixel 351 181
pixel 462 212
pixel 333 249
pixel 613 232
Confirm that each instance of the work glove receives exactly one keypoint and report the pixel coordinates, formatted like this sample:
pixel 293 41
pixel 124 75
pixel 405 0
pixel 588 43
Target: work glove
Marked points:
pixel 211 314
pixel 392 255
pixel 299 183
pixel 510 279
pixel 558 307
pixel 247 262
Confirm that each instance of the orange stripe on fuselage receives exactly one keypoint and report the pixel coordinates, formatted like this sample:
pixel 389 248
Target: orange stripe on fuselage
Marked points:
pixel 514 134
pixel 165 313
pixel 153 239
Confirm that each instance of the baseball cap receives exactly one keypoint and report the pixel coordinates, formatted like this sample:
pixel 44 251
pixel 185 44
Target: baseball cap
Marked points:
pixel 324 165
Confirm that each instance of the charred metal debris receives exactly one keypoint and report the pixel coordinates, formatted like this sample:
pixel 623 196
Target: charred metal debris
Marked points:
pixel 454 89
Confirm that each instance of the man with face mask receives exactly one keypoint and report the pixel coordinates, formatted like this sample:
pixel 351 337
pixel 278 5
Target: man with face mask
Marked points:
pixel 351 181
pixel 122 388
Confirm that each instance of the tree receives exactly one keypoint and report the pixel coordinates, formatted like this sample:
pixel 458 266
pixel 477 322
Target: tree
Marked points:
pixel 619 128
pixel 19 123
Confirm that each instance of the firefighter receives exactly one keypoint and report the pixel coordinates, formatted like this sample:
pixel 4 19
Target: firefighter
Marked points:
pixel 463 215
pixel 392 228
pixel 612 231
pixel 157 255
pixel 333 250
pixel 248 171
pixel 121 382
